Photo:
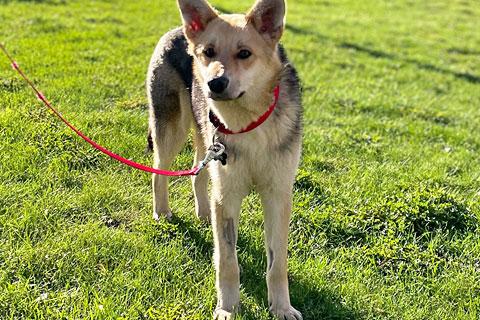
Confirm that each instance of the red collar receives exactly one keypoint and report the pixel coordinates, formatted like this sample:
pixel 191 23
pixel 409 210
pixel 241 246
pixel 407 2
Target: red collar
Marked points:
pixel 221 127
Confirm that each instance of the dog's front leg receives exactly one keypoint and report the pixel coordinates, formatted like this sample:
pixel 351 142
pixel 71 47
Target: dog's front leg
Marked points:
pixel 277 206
pixel 226 210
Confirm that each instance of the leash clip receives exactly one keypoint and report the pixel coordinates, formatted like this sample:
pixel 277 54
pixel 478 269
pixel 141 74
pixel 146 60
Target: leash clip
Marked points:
pixel 215 152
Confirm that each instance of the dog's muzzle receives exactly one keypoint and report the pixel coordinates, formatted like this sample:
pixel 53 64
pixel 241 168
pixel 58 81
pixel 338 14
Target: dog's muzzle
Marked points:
pixel 218 85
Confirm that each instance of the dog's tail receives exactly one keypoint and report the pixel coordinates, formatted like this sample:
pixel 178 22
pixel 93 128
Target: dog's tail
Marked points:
pixel 149 147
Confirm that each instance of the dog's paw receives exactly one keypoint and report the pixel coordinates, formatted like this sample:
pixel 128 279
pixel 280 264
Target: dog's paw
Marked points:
pixel 167 215
pixel 204 216
pixel 221 314
pixel 202 211
pixel 287 314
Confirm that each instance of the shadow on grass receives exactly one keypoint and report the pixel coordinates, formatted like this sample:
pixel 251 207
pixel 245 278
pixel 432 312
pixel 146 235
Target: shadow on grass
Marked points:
pixel 297 30
pixel 378 54
pixel 314 303
pixel 419 64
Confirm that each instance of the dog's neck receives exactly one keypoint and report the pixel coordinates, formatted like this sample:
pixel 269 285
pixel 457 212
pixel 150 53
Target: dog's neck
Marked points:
pixel 238 114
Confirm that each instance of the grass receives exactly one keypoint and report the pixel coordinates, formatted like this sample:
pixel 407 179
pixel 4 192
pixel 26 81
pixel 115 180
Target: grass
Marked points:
pixel 387 199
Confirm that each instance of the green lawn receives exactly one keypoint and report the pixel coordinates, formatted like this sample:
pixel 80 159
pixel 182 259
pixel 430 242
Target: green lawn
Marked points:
pixel 386 221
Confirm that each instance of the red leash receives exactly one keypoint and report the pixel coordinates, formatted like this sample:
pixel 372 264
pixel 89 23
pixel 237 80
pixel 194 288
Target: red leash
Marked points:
pixel 212 154
pixel 133 164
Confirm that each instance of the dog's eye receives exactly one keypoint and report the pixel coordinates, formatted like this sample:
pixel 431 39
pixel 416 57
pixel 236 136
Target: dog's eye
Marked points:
pixel 209 52
pixel 243 54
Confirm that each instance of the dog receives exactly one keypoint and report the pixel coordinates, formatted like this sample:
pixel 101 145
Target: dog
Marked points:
pixel 230 67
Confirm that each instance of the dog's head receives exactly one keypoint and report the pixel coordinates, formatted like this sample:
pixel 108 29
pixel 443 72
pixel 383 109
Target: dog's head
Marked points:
pixel 235 54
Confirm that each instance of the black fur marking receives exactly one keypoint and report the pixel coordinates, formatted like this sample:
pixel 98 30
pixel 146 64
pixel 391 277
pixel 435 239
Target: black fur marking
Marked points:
pixel 291 82
pixel 229 233
pixel 178 57
pixel 149 141
pixel 270 259
pixel 282 53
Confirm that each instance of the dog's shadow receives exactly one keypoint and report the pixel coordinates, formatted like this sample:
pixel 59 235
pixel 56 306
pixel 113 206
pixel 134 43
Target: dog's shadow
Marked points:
pixel 314 303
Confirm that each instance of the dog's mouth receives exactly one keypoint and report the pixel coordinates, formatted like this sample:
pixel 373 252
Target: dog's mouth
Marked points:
pixel 223 97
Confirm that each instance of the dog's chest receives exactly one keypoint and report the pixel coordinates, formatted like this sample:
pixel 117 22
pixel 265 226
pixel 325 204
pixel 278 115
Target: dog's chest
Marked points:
pixel 254 151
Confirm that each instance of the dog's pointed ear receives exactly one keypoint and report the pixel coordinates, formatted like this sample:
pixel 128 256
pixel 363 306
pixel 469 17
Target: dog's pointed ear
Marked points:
pixel 196 14
pixel 268 17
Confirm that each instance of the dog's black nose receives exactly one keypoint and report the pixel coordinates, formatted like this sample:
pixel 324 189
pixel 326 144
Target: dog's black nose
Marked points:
pixel 218 85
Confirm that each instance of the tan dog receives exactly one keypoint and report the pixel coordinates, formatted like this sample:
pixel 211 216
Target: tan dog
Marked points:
pixel 229 65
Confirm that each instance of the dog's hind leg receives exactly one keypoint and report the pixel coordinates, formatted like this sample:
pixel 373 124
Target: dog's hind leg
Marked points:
pixel 200 181
pixel 168 136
